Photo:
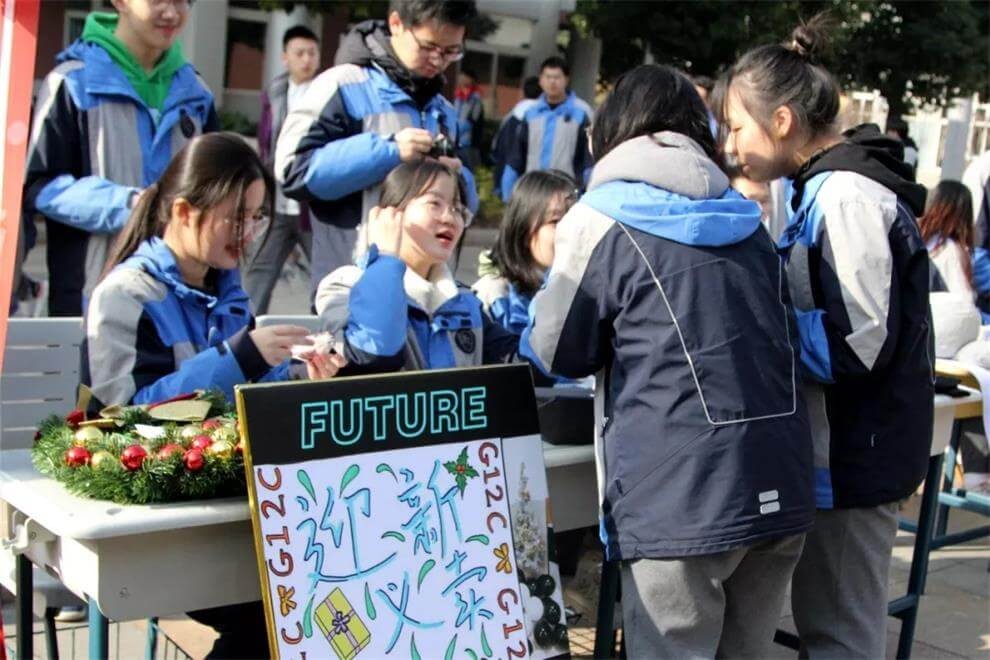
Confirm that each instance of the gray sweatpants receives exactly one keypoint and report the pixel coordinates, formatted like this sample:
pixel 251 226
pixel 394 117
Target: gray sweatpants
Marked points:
pixel 839 593
pixel 266 264
pixel 722 605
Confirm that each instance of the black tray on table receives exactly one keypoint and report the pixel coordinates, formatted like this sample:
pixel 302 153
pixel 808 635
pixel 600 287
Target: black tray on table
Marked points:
pixel 567 414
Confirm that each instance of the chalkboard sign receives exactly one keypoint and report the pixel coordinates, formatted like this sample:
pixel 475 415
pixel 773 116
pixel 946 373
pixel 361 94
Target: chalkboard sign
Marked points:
pixel 403 516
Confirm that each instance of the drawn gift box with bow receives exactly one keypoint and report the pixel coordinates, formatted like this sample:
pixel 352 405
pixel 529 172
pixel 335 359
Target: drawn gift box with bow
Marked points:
pixel 341 625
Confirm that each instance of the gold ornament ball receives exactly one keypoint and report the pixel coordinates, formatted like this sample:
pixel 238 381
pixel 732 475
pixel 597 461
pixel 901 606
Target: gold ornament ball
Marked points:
pixel 221 449
pixel 87 435
pixel 226 434
pixel 102 459
pixel 190 431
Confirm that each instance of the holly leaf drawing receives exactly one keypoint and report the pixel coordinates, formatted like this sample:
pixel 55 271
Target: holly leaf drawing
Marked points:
pixel 461 470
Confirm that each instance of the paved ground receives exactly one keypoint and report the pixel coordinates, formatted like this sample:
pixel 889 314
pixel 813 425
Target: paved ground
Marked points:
pixel 954 621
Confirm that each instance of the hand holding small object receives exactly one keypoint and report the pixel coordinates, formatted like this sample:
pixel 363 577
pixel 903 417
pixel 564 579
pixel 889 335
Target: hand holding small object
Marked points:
pixel 320 357
pixel 275 342
pixel 413 143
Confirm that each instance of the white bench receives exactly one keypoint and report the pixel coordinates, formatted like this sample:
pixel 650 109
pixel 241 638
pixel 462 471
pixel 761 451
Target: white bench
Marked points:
pixel 39 378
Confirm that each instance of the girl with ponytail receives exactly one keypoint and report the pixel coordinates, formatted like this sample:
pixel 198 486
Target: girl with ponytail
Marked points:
pixel 858 275
pixel 169 315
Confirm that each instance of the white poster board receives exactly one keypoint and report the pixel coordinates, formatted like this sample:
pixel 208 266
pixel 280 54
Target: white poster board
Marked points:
pixel 403 516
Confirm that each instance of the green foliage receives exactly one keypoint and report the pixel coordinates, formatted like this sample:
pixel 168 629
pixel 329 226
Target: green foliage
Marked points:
pixel 932 49
pixel 237 122
pixel 491 207
pixel 157 480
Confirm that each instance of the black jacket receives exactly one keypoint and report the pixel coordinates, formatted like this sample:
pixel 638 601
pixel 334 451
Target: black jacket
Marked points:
pixel 859 278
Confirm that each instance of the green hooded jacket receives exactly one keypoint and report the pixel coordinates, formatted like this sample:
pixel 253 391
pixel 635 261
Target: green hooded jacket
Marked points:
pixel 152 87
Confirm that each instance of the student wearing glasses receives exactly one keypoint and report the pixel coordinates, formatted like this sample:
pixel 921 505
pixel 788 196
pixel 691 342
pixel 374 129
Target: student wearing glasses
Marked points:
pixel 120 102
pixel 379 106
pixel 400 308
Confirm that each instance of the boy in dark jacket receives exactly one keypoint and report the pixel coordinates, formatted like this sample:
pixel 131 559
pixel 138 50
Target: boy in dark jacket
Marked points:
pixel 381 104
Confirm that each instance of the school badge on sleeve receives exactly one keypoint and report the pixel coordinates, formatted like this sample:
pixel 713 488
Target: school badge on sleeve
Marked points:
pixel 341 625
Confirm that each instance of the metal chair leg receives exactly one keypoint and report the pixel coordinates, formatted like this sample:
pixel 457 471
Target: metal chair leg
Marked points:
pixel 99 633
pixel 152 643
pixel 51 641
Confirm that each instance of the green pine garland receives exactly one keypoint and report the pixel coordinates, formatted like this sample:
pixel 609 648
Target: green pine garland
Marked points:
pixel 157 480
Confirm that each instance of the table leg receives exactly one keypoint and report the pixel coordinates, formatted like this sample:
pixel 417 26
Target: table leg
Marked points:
pixel 942 517
pixel 608 592
pixel 152 643
pixel 906 607
pixel 99 629
pixel 25 613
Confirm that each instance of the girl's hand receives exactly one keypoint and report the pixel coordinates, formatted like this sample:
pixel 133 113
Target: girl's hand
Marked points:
pixel 385 229
pixel 275 342
pixel 320 366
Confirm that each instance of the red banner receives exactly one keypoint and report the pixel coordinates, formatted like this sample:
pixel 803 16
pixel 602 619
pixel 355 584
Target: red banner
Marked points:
pixel 18 41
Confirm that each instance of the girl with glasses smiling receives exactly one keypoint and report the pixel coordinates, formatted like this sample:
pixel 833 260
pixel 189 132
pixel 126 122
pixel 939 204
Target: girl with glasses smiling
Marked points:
pixel 169 316
pixel 400 308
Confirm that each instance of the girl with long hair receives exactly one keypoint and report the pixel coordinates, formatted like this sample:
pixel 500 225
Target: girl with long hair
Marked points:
pixel 169 315
pixel 514 268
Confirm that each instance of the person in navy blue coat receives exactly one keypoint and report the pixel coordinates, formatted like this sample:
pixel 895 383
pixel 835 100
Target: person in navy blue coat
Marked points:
pixel 666 285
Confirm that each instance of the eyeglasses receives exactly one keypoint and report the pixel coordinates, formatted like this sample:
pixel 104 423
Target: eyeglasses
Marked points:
pixel 179 5
pixel 449 54
pixel 458 212
pixel 253 227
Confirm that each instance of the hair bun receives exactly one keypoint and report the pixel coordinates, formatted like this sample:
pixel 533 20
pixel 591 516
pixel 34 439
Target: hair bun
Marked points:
pixel 808 39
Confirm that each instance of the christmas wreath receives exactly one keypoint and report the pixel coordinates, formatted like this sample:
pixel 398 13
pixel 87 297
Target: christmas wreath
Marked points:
pixel 181 449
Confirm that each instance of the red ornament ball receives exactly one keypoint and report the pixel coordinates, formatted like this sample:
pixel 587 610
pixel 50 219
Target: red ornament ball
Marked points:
pixel 74 417
pixel 211 425
pixel 193 459
pixel 239 449
pixel 132 457
pixel 201 442
pixel 169 450
pixel 77 456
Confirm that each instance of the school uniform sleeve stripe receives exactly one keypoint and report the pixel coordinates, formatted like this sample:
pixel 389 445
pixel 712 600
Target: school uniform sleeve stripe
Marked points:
pixel 367 313
pixel 517 144
pixel 857 268
pixel 112 321
pixel 322 152
pixel 54 185
pixel 564 337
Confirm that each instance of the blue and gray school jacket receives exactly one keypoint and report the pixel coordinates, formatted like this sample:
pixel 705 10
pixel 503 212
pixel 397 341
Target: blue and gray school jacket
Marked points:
pixel 337 145
pixel 387 318
pixel 94 143
pixel 550 138
pixel 859 281
pixel 504 303
pixel 666 285
pixel 150 336
pixel 470 119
